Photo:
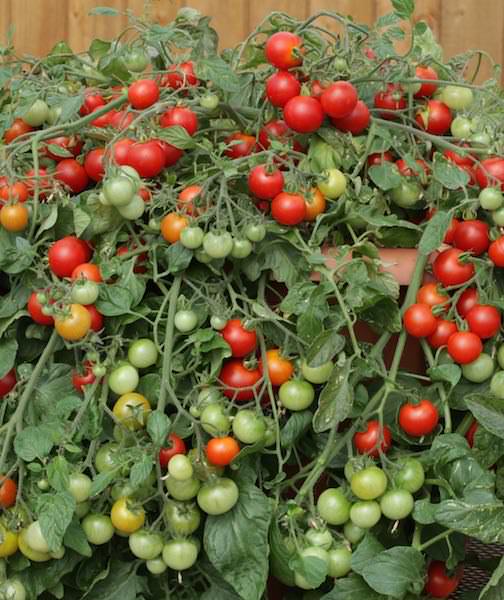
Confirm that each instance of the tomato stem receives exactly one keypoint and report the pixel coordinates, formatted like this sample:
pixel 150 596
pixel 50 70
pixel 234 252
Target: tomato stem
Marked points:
pixel 168 342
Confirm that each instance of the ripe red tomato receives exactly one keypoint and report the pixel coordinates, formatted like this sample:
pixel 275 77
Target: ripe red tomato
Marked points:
pixel 419 320
pixel 426 89
pixel 449 270
pixel 80 379
pixel 430 294
pixel 7 383
pixel 436 118
pixel 181 116
pixel 181 75
pixel 185 201
pixel 284 50
pixel 464 347
pixel 484 320
pixel 288 209
pixel 356 122
pixel 439 583
pixel 140 261
pixel 339 99
pixel 72 174
pixel 496 252
pixel 472 236
pixel 275 130
pixel 8 492
pixel 171 153
pixel 238 380
pixel 303 114
pixel 91 102
pixel 35 309
pixel 45 184
pixel 379 157
pixel 418 419
pixel 280 369
pixel 72 144
pixel 17 192
pixel 175 446
pixel 281 87
pixel 120 119
pixel 242 341
pixel 467 300
pixel 143 93
pixel 265 183
pixel 391 99
pixel 240 145
pixel 407 171
pixel 221 451
pixel 17 129
pixel 461 160
pixel 316 89
pixel 147 158
pixel 444 329
pixel 67 254
pixel 374 440
pixel 96 317
pixel 120 150
pixel 490 173
pixel 104 119
pixel 471 432
pixel 93 164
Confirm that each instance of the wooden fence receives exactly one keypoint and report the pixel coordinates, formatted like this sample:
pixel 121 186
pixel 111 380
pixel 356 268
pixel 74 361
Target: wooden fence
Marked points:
pixel 38 24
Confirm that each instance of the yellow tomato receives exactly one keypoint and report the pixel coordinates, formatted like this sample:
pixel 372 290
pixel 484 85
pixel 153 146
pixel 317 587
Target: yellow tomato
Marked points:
pixel 8 542
pixel 74 325
pixel 132 410
pixel 126 516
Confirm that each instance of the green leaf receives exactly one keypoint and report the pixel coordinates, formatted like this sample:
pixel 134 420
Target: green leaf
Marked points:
pixel 335 400
pixel 448 174
pixel 114 300
pixel 98 48
pixel 177 258
pixel 352 587
pixel 55 512
pixel 296 426
pixel 366 551
pixel 140 471
pixel 81 221
pixel 58 474
pixel 312 568
pixel 75 538
pixel 449 373
pixel 385 176
pixel 489 411
pixel 102 481
pixel 177 136
pixel 104 11
pixel 121 583
pixel 434 233
pixel 494 589
pixel 158 427
pixel 217 70
pixel 280 555
pixel 324 348
pixel 50 219
pixel 237 542
pixel 33 442
pixel 488 448
pixel 396 571
pixel 41 577
pixel 8 351
pixel 485 522
pixel 404 8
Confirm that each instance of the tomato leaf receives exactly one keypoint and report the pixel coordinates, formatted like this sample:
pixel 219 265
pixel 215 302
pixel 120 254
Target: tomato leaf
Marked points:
pixel 312 568
pixel 281 555
pixel 449 373
pixel 141 470
pixel 434 232
pixel 324 348
pixel 295 427
pixel 177 136
pixel 177 258
pixel 75 538
pixel 55 512
pixel 483 521
pixel 448 174
pixel 489 411
pixel 44 576
pixel 8 351
pixel 217 70
pixel 488 448
pixel 158 427
pixel 121 583
pixel 335 400
pixel 33 442
pixel 385 176
pixel 352 587
pixel 368 548
pixel 494 589
pixel 404 9
pixel 102 481
pixel 58 474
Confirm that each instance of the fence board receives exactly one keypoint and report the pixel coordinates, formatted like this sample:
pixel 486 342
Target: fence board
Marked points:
pixel 229 18
pixel 31 19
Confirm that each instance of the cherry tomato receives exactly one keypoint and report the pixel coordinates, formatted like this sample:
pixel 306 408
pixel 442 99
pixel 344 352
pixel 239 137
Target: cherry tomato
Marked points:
pixel 429 294
pixel 239 381
pixel 240 145
pixel 8 492
pixel 91 102
pixel 221 451
pixel 249 427
pixel 467 300
pixel 217 497
pixel 472 236
pixel 303 114
pixel 318 375
pixel 180 75
pixel 315 205
pixel 457 97
pixel 123 379
pixel 496 252
pixel 265 183
pixel 186 199
pixel 284 50
pixel 132 410
pixel 87 271
pixel 464 347
pixel 171 153
pixel 72 174
pixel 418 419
pixel 419 320
pixel 484 320
pixel 185 320
pixel 241 340
pixel 35 308
pixel 182 518
pixel 397 504
pixel 143 353
pixel 276 130
pixel 373 440
pixel 172 226
pixel 80 379
pixel 480 369
pixel 9 544
pixel 356 122
pixel 333 506
pixel 339 99
pixel 288 209
pixel 439 583
pixel 98 529
pixel 147 158
pixel 127 517
pixel 14 217
pixel 449 270
pixel 391 99
pixel 180 468
pixel 280 369
pixel 17 129
pixel 281 87
pixel 75 324
pixel 217 245
pixel 7 382
pixel 296 394
pixel 17 192
pixel 490 173
pixel 436 118
pixel 365 514
pixel 93 164
pixel 143 93
pixel 410 476
pixel 471 432
pixel 181 116
pixel 426 72
pixel 176 446
pixel 66 254
pixel 444 329
pixel 369 483
pixel 379 157
pixel 96 317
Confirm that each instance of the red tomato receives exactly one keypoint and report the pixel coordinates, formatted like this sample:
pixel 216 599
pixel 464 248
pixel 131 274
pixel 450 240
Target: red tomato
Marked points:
pixel 283 50
pixel 8 492
pixel 379 157
pixel 80 379
pixel 419 320
pixel 7 383
pixel 490 172
pixel 143 93
pixel 175 446
pixel 288 209
pixel 439 583
pixel 96 317
pixel 147 158
pixel 484 320
pixel 496 252
pixel 280 369
pixel 242 341
pixel 281 87
pixel 265 183
pixel 120 150
pixel 17 129
pixel 430 294
pixel 392 99
pixel 426 89
pixel 436 118
pixel 181 116
pixel 93 164
pixel 181 75
pixel 449 270
pixel 88 271
pixel 140 259
pixel 67 254
pixel 303 114
pixel 240 145
pixel 374 440
pixel 464 347
pixel 186 199
pixel 221 451
pixel 17 192
pixel 418 419
pixel 171 153
pixel 339 99
pixel 407 171
pixel 356 122
pixel 35 309
pixel 450 232
pixel 72 174
pixel 471 432
pixel 72 144
pixel 317 89
pixel 274 130
pixel 104 119
pixel 461 160
pixel 238 380
pixel 121 119
pixel 467 300
pixel 91 103
pixel 444 329
pixel 472 236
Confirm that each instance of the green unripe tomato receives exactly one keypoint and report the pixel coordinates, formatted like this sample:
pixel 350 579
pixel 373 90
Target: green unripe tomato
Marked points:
pixel 500 356
pixel 410 476
pixel 37 114
pixel 319 537
pixel 85 292
pixel 123 379
pixel 369 483
pixel 255 232
pixel 479 370
pixel 180 554
pixel 333 506
pixel 296 394
pixel 498 217
pixel 82 509
pixel 353 533
pixel 497 385
pixel 461 128
pixel 241 249
pixel 365 514
pixel 180 467
pixel 318 375
pixel 185 320
pixel 457 97
pixel 491 198
pixel 35 538
pixel 214 420
pixel 397 504
pixel 143 353
pixel 406 194
pixel 209 101
pixel 217 245
pixel 192 237
pixel 98 529
pixel 333 185
pixel 12 589
pixel 145 545
pixel 248 427
pixel 217 322
pixel 202 257
pixel 134 210
pixel 136 60
pixel 340 562
pixel 79 486
pixel 156 566
pixel 119 191
pixel 182 490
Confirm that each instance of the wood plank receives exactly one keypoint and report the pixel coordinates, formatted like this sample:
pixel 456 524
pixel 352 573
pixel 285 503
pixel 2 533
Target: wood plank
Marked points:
pixel 83 28
pixel 361 12
pixel 5 21
pixel 33 35
pixel 229 18
pixel 259 9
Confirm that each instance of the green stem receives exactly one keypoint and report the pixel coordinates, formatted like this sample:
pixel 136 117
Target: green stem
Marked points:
pixel 435 539
pixel 442 393
pixel 168 343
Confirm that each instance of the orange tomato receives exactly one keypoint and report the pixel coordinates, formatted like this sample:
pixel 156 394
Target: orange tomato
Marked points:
pixel 280 369
pixel 88 271
pixel 172 226
pixel 75 325
pixel 17 191
pixel 14 217
pixel 315 205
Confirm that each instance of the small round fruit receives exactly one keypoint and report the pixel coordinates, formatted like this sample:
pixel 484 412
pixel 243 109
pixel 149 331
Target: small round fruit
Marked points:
pixel 143 353
pixel 180 554
pixel 123 379
pixel 333 506
pixel 145 545
pixel 397 504
pixel 340 562
pixel 180 467
pixel 185 320
pixel 369 483
pixel 365 514
pixel 125 517
pixel 79 486
pixel 296 394
pixel 98 529
pixel 317 375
